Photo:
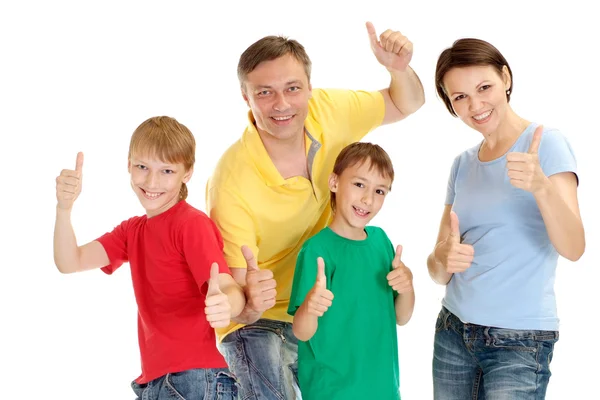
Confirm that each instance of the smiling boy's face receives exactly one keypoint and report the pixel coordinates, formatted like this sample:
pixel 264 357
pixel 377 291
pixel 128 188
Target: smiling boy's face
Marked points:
pixel 156 183
pixel 359 195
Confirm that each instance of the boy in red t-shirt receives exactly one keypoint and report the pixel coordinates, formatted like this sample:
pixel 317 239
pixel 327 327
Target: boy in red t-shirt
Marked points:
pixel 183 287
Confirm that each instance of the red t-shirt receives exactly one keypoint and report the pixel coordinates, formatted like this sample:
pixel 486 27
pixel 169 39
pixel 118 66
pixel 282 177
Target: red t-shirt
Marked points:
pixel 170 257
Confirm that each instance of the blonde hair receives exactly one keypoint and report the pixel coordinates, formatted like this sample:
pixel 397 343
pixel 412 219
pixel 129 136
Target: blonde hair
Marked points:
pixel 165 139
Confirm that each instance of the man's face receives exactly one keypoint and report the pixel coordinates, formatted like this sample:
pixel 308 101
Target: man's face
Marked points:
pixel 277 92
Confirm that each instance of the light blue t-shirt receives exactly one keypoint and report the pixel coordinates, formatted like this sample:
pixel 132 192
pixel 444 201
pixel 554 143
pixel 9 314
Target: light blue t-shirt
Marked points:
pixel 510 283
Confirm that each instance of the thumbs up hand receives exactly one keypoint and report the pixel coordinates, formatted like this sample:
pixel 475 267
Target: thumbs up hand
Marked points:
pixel 218 309
pixel 524 169
pixel 400 278
pixel 68 184
pixel 319 299
pixel 260 285
pixel 454 255
pixel 392 49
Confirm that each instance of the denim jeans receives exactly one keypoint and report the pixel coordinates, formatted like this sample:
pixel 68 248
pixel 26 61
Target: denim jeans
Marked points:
pixel 193 384
pixel 264 358
pixel 481 362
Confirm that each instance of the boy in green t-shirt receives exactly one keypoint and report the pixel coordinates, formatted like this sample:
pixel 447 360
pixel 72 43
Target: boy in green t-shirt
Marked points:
pixel 354 352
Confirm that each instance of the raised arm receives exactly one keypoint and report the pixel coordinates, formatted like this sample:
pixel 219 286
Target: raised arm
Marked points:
pixel 405 94
pixel 556 197
pixel 69 257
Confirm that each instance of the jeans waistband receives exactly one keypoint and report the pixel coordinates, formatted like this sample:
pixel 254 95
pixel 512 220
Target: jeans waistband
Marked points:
pixel 476 331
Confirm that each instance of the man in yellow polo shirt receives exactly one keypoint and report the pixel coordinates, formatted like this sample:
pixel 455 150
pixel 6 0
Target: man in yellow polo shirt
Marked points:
pixel 269 191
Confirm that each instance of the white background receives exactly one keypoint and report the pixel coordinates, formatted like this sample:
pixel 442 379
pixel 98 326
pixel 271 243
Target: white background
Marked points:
pixel 82 75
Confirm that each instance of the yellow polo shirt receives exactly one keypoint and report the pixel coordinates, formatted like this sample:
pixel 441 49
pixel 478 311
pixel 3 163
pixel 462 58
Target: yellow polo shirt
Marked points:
pixel 253 205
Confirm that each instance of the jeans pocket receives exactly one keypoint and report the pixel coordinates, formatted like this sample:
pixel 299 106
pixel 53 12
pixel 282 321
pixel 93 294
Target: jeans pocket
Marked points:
pixel 546 350
pixel 550 353
pixel 512 340
pixel 138 389
pixel 170 391
pixel 227 386
pixel 261 329
pixel 442 320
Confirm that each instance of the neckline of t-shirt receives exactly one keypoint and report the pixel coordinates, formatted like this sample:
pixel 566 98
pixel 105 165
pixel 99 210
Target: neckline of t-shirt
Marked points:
pixel 353 242
pixel 503 156
pixel 165 214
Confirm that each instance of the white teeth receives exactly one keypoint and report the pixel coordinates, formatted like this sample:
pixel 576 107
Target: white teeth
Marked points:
pixel 282 118
pixel 361 211
pixel 482 116
pixel 152 195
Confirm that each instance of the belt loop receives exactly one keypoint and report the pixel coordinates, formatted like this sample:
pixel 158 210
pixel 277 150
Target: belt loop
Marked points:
pixel 486 334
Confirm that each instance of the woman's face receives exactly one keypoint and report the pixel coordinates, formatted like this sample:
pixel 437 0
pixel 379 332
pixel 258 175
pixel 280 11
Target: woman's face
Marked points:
pixel 478 96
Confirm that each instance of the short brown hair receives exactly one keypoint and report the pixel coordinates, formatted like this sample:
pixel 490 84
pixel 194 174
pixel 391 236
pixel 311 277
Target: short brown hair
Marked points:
pixel 270 48
pixel 466 53
pixel 359 153
pixel 167 140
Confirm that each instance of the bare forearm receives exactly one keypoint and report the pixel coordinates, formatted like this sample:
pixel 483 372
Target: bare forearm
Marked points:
pixel 437 270
pixel 247 316
pixel 237 300
pixel 66 252
pixel 305 325
pixel 564 227
pixel 404 305
pixel 406 91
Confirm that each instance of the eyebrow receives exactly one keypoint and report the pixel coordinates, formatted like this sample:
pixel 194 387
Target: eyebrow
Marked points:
pixel 366 180
pixel 293 82
pixel 478 85
pixel 140 161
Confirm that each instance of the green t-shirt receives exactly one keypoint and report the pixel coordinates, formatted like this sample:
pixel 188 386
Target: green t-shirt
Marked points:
pixel 354 353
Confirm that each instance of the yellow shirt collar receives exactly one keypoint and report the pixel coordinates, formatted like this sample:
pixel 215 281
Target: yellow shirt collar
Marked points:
pixel 251 140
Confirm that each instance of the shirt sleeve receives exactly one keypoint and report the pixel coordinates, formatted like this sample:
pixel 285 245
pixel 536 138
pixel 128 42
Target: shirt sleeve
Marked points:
pixel 450 191
pixel 555 154
pixel 356 112
pixel 234 220
pixel 115 245
pixel 390 250
pixel 202 245
pixel 305 276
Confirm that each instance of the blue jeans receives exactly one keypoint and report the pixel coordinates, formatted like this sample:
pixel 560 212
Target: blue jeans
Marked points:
pixel 264 358
pixel 193 384
pixel 481 362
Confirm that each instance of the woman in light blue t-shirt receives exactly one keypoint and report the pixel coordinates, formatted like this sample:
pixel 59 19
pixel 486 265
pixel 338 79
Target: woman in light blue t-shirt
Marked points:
pixel 511 209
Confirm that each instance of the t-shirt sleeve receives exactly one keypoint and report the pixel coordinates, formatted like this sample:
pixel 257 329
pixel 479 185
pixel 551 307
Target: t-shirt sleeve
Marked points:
pixel 450 191
pixel 202 245
pixel 234 220
pixel 555 153
pixel 390 252
pixel 305 276
pixel 357 112
pixel 115 245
